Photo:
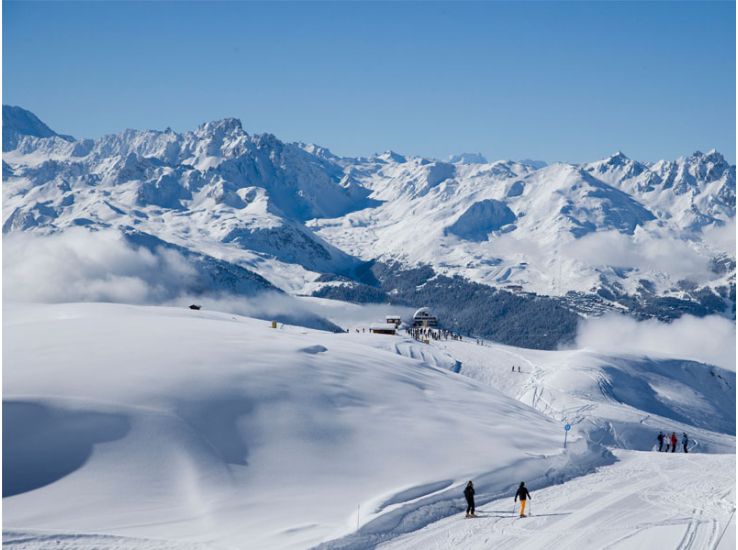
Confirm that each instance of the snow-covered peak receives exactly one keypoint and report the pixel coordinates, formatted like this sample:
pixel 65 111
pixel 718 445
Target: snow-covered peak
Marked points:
pixel 321 152
pixel 219 188
pixel 18 122
pixel 224 126
pixel 710 165
pixel 391 156
pixel 618 158
pixel 617 166
pixel 468 158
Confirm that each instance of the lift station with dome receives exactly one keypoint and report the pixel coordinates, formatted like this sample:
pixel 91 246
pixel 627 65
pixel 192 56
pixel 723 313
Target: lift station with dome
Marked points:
pixel 424 318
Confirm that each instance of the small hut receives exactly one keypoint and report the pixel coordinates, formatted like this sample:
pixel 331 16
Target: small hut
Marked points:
pixel 382 328
pixel 393 320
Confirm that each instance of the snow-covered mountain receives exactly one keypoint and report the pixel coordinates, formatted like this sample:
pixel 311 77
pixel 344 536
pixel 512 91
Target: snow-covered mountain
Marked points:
pixel 615 233
pixel 17 122
pixel 690 193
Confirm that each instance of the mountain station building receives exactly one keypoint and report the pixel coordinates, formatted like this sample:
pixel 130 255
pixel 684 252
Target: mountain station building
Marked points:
pixel 425 318
pixel 393 320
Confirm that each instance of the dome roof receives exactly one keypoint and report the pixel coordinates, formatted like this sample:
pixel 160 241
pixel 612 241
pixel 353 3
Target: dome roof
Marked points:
pixel 422 312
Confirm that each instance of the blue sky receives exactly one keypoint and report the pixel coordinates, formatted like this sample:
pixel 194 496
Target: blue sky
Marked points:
pixel 545 80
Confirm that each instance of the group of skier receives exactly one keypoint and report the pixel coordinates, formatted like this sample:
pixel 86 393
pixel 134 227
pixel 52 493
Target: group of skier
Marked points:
pixel 427 333
pixel 522 494
pixel 667 442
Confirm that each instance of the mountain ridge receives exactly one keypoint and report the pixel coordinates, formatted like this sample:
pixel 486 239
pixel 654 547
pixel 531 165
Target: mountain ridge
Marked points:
pixel 294 212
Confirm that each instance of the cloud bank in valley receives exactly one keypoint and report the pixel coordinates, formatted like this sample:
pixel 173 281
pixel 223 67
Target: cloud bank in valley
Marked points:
pixel 642 251
pixel 648 252
pixel 721 237
pixel 708 339
pixel 83 266
pixel 102 266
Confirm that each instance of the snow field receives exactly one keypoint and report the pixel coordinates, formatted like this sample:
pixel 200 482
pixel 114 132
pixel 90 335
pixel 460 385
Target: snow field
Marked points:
pixel 618 401
pixel 213 429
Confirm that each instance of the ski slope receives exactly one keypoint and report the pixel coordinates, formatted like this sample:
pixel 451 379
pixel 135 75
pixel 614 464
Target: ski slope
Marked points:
pixel 173 429
pixel 620 401
pixel 645 500
pixel 138 423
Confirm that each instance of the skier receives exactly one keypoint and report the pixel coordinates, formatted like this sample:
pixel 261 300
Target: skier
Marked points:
pixel 685 442
pixel 660 437
pixel 513 368
pixel 673 441
pixel 518 368
pixel 469 496
pixel 523 494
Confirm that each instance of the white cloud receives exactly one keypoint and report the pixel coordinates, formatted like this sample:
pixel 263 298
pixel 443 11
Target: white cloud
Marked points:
pixel 642 251
pixel 101 266
pixel 79 265
pixel 708 339
pixel 721 238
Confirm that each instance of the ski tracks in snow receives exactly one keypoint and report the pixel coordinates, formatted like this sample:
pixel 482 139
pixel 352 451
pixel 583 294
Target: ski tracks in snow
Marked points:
pixel 647 500
pixel 15 539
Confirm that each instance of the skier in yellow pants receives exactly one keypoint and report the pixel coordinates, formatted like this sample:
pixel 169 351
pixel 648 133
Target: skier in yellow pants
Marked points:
pixel 523 494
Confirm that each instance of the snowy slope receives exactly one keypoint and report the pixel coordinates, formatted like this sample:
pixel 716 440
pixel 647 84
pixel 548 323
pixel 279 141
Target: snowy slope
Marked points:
pixel 690 192
pixel 293 211
pixel 18 122
pixel 646 500
pixel 529 215
pixel 620 401
pixel 216 190
pixel 210 428
pixel 551 230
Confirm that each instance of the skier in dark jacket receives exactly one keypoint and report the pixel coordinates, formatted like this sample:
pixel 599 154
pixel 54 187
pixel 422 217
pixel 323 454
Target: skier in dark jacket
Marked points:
pixel 685 442
pixel 673 441
pixel 469 496
pixel 523 494
pixel 660 437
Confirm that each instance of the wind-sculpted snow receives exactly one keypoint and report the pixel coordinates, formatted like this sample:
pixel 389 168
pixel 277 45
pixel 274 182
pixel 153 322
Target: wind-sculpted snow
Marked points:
pixel 206 427
pixel 616 400
pixel 28 539
pixel 34 433
pixel 419 511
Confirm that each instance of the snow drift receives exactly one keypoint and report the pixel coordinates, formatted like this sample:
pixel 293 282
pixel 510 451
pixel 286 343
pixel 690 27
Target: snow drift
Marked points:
pixel 212 428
